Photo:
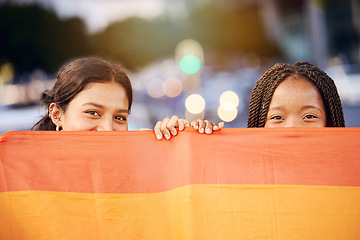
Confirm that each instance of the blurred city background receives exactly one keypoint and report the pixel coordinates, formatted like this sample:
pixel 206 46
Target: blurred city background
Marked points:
pixel 190 58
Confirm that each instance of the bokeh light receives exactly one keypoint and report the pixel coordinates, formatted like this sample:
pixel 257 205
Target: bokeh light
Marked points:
pixel 154 88
pixel 34 90
pixel 229 100
pixel 195 103
pixel 13 94
pixel 190 64
pixel 227 115
pixel 6 73
pixel 190 56
pixel 6 76
pixel 172 87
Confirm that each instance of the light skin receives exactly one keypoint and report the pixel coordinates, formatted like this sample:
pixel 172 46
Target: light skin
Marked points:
pixel 99 107
pixel 104 107
pixel 170 126
pixel 296 102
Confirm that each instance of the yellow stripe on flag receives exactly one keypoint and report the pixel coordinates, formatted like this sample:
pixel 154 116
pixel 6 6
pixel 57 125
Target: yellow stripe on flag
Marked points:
pixel 280 212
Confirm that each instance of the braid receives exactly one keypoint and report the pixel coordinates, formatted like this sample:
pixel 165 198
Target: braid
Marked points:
pixel 266 85
pixel 263 91
pixel 328 92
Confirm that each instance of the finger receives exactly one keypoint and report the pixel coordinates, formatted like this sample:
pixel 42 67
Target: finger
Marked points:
pixel 157 131
pixel 195 124
pixel 202 125
pixel 183 123
pixel 217 127
pixel 208 127
pixel 172 124
pixel 164 130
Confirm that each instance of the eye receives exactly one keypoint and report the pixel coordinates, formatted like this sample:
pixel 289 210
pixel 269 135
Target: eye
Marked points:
pixel 120 118
pixel 93 113
pixel 309 116
pixel 276 117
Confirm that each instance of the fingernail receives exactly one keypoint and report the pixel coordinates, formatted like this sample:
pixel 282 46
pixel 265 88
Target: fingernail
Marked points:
pixel 216 128
pixel 167 136
pixel 173 132
pixel 196 126
pixel 158 136
pixel 201 130
pixel 208 130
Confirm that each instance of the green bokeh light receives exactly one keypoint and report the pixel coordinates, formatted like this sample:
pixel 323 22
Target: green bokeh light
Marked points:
pixel 190 64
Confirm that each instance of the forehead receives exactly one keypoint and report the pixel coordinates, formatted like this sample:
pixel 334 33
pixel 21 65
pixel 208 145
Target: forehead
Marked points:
pixel 106 94
pixel 294 93
pixel 296 85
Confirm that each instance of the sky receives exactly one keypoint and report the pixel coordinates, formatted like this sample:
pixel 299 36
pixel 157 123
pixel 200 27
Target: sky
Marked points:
pixel 97 14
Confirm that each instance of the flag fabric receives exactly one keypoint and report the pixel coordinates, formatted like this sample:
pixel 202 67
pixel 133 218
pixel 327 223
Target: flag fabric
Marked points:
pixel 233 184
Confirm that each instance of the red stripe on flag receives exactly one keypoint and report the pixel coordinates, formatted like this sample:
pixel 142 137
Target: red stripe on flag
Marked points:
pixel 134 162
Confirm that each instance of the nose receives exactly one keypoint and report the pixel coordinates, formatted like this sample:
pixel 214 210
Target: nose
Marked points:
pixel 106 124
pixel 292 122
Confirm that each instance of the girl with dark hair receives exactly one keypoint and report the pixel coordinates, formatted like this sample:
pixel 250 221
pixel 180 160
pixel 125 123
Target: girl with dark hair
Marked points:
pixel 299 95
pixel 92 94
pixel 89 94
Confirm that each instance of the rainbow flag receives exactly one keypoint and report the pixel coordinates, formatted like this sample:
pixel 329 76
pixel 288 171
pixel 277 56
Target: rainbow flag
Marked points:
pixel 233 184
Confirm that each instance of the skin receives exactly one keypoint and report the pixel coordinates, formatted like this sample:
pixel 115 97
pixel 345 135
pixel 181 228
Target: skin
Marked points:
pixel 168 127
pixel 104 107
pixel 99 107
pixel 296 103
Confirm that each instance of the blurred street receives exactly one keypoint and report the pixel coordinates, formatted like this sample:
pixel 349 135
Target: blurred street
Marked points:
pixel 151 104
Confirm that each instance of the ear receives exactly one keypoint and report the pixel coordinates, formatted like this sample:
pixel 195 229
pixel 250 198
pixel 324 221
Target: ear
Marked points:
pixel 55 114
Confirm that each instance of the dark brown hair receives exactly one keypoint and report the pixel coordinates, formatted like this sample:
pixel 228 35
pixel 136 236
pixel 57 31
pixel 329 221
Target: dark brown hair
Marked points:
pixel 266 85
pixel 73 78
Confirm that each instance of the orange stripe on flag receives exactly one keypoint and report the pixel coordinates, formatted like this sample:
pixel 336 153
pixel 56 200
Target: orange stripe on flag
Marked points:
pixel 134 162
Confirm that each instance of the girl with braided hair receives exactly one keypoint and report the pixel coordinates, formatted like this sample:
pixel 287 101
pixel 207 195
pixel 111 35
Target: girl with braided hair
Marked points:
pixel 299 95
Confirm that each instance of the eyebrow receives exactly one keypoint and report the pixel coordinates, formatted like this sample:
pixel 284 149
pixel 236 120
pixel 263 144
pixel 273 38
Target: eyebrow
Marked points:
pixel 311 106
pixel 303 107
pixel 102 107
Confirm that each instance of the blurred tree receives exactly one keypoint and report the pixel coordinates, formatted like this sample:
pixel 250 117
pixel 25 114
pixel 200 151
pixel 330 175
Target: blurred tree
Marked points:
pixel 326 3
pixel 32 37
pixel 219 28
pixel 231 29
pixel 136 42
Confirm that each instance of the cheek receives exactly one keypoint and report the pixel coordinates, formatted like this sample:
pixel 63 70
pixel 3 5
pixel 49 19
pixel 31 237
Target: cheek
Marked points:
pixel 123 127
pixel 76 122
pixel 324 122
pixel 269 125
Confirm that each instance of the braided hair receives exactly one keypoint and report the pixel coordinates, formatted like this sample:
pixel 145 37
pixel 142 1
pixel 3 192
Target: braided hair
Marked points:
pixel 264 89
pixel 73 78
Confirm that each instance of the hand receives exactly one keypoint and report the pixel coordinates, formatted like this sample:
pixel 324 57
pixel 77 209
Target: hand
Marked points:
pixel 167 127
pixel 205 126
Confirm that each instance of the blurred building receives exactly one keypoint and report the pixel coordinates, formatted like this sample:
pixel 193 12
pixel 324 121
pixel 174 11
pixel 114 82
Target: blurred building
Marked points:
pixel 312 30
